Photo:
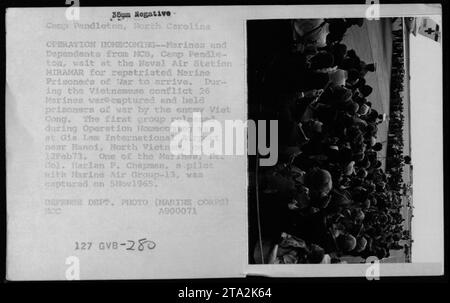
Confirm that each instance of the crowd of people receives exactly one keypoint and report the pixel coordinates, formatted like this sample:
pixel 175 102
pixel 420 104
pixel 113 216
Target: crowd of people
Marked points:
pixel 395 157
pixel 329 195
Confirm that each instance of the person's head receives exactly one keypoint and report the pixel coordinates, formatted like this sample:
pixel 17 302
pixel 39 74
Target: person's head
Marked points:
pixel 359 193
pixel 370 187
pixel 363 110
pixel 340 199
pixel 365 163
pixel 377 146
pixel 321 199
pixel 381 253
pixel 353 132
pixel 361 244
pixel 374 201
pixel 319 182
pixel 355 21
pixel 352 108
pixel 356 183
pixel 346 242
pixel 361 173
pixel 358 156
pixel 352 76
pixel 338 77
pixel 351 53
pixel 376 164
pixel 320 80
pixel 315 126
pixel 335 36
pixel 407 159
pixel 370 67
pixel 342 95
pixel 316 254
pixel 371 129
pixel 380 186
pixel 340 49
pixel 349 169
pixel 359 21
pixel 332 152
pixel 373 114
pixel 345 155
pixel 366 90
pixel 366 204
pixel 358 215
pixel 322 60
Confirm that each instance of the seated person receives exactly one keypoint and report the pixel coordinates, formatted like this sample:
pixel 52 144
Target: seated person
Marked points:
pixel 310 34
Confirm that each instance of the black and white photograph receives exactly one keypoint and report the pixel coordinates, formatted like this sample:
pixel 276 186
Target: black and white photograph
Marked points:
pixel 342 189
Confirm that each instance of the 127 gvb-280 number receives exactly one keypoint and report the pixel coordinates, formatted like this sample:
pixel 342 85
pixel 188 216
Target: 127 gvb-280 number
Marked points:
pixel 130 245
